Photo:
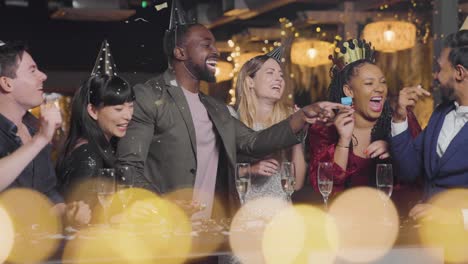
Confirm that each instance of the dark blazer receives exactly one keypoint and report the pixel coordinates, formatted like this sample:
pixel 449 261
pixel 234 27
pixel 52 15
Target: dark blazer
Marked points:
pixel 160 141
pixel 418 157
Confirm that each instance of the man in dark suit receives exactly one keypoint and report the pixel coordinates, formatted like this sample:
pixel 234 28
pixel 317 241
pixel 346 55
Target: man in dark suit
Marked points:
pixel 438 154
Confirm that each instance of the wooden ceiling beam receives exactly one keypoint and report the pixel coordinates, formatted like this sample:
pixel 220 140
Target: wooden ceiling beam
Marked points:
pixel 332 17
pixel 373 4
pixel 268 6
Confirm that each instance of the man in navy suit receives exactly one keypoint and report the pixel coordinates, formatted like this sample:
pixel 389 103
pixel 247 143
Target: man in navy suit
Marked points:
pixel 438 154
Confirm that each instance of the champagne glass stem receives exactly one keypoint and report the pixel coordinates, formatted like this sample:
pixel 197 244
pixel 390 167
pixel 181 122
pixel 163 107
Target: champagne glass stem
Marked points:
pixel 325 201
pixel 106 216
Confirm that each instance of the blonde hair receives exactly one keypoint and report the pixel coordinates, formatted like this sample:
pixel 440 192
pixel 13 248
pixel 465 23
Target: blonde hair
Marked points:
pixel 247 106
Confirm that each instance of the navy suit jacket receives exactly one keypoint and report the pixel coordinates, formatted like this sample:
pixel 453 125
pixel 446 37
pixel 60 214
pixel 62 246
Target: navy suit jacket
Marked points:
pixel 418 157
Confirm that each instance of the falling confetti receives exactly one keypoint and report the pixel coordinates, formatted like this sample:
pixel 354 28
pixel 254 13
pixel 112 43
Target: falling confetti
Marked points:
pixel 141 19
pixel 161 6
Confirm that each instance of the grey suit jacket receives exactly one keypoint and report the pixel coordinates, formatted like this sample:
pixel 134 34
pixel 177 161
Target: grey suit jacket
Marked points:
pixel 161 144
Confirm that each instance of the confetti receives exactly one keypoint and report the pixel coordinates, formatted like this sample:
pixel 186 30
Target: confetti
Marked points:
pixel 161 6
pixel 141 19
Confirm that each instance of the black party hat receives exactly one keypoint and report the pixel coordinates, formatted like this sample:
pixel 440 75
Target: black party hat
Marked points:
pixel 177 15
pixel 104 64
pixel 278 52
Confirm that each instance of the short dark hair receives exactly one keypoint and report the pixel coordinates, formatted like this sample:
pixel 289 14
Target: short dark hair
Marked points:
pixel 175 37
pixel 458 43
pixel 10 55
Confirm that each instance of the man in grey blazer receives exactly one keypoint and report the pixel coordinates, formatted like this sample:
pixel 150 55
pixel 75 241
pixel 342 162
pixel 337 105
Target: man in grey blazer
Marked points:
pixel 173 122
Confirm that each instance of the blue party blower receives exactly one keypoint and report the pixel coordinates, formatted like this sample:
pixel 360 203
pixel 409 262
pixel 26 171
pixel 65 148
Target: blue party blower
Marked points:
pixel 346 100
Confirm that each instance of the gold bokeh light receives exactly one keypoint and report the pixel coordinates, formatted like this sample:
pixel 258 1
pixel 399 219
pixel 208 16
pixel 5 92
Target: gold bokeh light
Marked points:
pixel 300 234
pixel 443 226
pixel 248 225
pixel 7 235
pixel 367 224
pixel 151 229
pixel 35 225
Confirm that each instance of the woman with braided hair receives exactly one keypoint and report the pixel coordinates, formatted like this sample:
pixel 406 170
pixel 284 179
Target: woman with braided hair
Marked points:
pixel 359 138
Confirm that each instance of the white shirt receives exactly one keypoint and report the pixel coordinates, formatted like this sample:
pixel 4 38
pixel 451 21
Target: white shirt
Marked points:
pixel 453 123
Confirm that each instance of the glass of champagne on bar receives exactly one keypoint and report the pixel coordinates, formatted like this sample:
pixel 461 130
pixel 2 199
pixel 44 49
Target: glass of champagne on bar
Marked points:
pixel 325 180
pixel 384 178
pixel 105 190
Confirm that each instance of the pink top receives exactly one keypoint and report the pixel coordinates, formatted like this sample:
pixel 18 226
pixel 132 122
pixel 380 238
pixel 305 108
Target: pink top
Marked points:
pixel 207 155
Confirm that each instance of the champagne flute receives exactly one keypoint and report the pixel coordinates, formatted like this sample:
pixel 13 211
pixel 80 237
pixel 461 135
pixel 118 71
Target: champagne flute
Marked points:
pixel 242 176
pixel 105 189
pixel 288 179
pixel 325 180
pixel 125 181
pixel 384 178
pixel 52 100
pixel 384 182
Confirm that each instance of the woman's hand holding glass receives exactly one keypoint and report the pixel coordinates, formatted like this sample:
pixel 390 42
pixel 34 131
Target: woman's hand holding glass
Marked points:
pixel 267 167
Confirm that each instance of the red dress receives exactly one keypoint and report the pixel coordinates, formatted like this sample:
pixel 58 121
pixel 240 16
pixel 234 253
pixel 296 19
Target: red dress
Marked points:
pixel 359 172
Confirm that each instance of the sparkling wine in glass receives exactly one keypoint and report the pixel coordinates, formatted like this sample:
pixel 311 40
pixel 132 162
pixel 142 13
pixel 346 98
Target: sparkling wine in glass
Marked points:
pixel 52 101
pixel 288 179
pixel 242 176
pixel 105 199
pixel 325 180
pixel 384 178
pixel 125 181
pixel 105 189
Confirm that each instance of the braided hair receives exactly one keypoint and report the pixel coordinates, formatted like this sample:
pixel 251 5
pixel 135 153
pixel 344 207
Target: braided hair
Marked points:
pixel 381 129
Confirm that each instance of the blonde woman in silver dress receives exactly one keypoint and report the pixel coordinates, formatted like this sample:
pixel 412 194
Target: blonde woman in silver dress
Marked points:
pixel 260 86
